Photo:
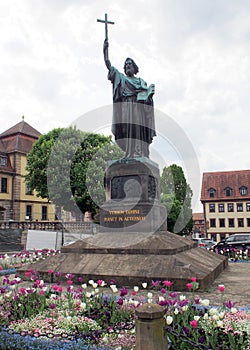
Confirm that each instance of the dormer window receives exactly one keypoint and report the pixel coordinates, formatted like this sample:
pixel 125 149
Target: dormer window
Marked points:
pixel 3 161
pixel 243 190
pixel 211 192
pixel 228 191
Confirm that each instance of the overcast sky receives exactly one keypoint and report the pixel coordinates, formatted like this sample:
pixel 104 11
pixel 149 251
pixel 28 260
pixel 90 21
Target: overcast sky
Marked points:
pixel 197 52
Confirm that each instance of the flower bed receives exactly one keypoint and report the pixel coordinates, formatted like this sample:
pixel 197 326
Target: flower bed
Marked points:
pixel 99 315
pixel 234 255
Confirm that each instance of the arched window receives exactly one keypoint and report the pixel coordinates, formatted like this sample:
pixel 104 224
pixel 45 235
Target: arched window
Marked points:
pixel 211 192
pixel 228 191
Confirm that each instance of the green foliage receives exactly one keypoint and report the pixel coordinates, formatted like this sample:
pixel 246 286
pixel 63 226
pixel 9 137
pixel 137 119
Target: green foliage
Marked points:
pixel 37 162
pixel 176 195
pixel 67 166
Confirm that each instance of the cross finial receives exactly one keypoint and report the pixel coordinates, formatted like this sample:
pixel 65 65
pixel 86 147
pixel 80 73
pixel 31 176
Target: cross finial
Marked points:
pixel 106 24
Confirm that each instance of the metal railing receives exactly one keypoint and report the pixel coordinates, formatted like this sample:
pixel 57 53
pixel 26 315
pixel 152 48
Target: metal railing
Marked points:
pixel 72 226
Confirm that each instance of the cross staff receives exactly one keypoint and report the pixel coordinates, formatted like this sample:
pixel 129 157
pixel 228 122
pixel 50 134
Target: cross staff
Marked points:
pixel 106 24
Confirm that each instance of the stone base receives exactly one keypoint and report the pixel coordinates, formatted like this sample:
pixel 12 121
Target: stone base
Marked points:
pixel 132 197
pixel 133 259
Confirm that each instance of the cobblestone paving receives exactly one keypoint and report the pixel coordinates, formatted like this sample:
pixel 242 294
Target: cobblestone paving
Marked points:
pixel 236 279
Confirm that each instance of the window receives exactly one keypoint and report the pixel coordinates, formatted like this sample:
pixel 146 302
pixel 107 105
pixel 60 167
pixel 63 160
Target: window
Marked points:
pixel 211 208
pixel 222 222
pixel 248 206
pixel 231 239
pixel 243 190
pixel 231 222
pixel 230 207
pixel 3 161
pixel 239 207
pixel 4 185
pixel 240 222
pixel 228 191
pixel 211 192
pixel 28 212
pixel 212 223
pixel 44 213
pixel 248 222
pixel 221 208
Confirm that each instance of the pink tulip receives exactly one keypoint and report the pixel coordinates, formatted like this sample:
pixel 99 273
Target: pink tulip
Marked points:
pixel 167 283
pixel 221 288
pixel 194 323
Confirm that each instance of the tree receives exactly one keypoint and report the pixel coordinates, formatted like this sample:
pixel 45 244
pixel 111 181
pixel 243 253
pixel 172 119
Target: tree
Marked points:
pixel 176 195
pixel 67 166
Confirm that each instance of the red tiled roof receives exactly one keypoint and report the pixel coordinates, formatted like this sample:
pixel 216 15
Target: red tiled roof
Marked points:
pixel 21 128
pixel 198 216
pixel 19 138
pixel 2 148
pixel 223 179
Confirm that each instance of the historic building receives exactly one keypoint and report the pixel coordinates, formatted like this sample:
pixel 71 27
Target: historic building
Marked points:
pixel 225 197
pixel 199 225
pixel 17 202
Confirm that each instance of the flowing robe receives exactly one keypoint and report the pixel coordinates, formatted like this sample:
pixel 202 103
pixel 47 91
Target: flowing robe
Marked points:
pixel 133 115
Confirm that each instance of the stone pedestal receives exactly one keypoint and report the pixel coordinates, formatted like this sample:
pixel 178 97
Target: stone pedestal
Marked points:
pixel 132 197
pixel 133 245
pixel 150 324
pixel 132 259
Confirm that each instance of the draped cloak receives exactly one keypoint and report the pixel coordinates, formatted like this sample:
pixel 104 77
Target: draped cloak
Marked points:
pixel 133 122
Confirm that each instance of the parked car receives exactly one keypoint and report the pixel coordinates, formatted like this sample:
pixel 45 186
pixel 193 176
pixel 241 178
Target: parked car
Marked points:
pixel 204 242
pixel 239 241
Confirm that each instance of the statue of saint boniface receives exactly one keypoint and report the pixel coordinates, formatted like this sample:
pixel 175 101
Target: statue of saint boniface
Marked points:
pixel 133 115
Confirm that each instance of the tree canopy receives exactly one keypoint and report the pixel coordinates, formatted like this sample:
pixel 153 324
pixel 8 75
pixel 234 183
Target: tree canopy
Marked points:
pixel 176 195
pixel 67 166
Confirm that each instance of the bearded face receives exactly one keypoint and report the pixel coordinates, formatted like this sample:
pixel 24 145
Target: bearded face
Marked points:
pixel 129 68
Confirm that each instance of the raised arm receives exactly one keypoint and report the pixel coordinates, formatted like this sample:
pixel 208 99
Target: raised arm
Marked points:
pixel 106 54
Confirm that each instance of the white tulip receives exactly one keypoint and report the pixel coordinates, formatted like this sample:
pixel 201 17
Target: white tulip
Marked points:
pixel 221 315
pixel 213 311
pixel 219 323
pixel 169 320
pixel 215 317
pixel 204 302
pixel 83 306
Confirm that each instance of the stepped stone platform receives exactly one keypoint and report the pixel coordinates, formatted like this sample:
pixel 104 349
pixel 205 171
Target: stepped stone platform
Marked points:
pixel 131 259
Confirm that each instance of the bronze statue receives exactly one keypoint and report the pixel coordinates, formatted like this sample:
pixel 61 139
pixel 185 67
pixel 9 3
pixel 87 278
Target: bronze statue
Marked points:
pixel 133 115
